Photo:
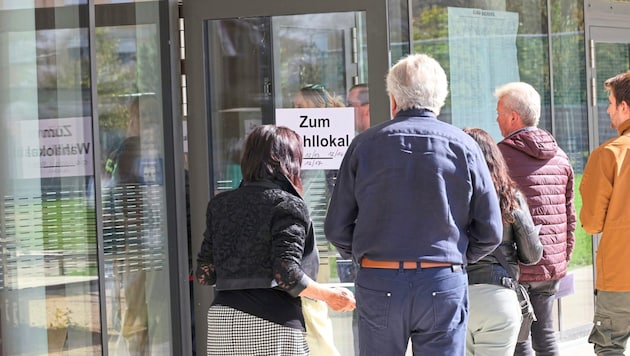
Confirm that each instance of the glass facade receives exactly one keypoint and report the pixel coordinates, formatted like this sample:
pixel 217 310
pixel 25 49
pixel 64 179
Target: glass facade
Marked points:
pixel 48 235
pixel 131 125
pixel 484 44
pixel 90 254
pixel 83 228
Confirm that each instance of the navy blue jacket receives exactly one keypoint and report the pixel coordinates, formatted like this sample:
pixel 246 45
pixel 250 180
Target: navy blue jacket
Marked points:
pixel 414 188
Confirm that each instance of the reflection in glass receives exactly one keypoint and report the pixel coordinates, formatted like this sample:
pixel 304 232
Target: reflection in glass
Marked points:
pixel 133 193
pixel 48 270
pixel 483 44
pixel 259 64
pixel 569 80
pixel 328 50
pixel 610 60
pixel 398 29
pixel 481 48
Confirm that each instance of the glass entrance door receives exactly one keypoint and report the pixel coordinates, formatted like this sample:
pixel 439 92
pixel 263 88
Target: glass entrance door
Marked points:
pixel 251 64
pixel 609 55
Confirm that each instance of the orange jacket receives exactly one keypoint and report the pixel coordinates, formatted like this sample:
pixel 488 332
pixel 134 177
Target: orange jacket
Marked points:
pixel 605 190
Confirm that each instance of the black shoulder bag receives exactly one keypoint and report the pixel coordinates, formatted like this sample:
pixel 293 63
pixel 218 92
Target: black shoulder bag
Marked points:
pixel 527 310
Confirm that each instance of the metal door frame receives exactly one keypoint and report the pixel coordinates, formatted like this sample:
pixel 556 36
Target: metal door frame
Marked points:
pixel 196 13
pixel 604 21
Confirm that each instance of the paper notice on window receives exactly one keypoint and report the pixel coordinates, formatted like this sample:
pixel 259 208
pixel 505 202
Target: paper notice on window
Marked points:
pixel 326 133
pixel 50 148
pixel 482 56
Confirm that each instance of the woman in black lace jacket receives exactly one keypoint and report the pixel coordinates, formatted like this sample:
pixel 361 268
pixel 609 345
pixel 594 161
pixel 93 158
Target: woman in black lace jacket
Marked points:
pixel 259 251
pixel 494 319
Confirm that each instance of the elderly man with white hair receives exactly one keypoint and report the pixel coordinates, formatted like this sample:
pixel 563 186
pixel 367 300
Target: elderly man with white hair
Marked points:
pixel 413 204
pixel 543 172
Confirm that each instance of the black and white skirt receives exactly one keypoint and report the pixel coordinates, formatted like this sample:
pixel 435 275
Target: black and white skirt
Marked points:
pixel 236 333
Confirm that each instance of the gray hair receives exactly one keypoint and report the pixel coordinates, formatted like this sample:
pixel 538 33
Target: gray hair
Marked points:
pixel 418 81
pixel 522 98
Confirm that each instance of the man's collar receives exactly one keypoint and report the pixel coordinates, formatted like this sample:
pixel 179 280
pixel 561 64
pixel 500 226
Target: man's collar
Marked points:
pixel 415 113
pixel 624 128
pixel 526 128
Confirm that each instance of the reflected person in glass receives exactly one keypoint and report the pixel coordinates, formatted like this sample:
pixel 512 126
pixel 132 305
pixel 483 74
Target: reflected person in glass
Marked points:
pixel 126 181
pixel 316 96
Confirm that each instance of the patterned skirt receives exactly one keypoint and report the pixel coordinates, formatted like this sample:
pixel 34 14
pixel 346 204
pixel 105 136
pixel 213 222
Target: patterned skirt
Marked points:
pixel 232 332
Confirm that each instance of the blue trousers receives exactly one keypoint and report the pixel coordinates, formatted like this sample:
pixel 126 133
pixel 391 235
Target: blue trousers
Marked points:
pixel 427 306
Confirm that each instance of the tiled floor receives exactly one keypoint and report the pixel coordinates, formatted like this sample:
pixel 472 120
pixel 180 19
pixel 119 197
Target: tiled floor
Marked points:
pixel 578 347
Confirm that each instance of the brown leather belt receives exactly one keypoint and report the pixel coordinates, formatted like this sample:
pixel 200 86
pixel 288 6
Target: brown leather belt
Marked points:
pixel 368 263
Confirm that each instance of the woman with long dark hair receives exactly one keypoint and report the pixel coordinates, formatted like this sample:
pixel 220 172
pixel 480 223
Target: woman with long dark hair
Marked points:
pixel 495 316
pixel 259 252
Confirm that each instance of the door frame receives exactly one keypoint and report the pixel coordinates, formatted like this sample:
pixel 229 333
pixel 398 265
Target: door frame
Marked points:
pixel 604 22
pixel 196 13
pixel 608 22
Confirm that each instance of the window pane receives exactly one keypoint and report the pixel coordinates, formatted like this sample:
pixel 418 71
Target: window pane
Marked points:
pixel 610 60
pixel 480 48
pixel 398 29
pixel 137 286
pixel 491 43
pixel 48 273
pixel 571 132
pixel 569 80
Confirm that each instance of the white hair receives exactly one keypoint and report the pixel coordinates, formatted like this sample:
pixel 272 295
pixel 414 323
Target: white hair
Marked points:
pixel 418 81
pixel 522 98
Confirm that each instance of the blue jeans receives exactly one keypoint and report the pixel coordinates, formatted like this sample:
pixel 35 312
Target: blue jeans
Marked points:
pixel 428 306
pixel 543 338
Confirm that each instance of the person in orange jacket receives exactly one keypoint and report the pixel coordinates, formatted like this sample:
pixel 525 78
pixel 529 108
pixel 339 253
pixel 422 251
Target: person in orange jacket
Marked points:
pixel 605 192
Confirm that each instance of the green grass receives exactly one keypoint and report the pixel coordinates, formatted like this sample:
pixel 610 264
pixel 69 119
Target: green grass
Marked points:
pixel 68 225
pixel 583 251
pixel 62 229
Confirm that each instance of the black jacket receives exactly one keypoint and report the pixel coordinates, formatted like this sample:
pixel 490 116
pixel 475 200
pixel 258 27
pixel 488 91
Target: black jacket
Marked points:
pixel 258 236
pixel 520 244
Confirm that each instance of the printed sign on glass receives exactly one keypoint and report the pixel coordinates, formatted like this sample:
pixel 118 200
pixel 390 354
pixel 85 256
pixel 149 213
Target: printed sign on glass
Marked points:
pixel 326 133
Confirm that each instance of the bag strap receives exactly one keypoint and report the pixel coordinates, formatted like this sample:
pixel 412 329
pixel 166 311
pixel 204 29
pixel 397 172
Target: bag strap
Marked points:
pixel 503 262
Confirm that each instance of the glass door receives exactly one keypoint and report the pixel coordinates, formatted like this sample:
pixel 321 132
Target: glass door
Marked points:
pixel 609 55
pixel 610 50
pixel 249 64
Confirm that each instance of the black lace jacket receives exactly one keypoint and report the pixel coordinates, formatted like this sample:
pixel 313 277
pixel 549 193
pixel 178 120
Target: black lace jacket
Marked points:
pixel 258 236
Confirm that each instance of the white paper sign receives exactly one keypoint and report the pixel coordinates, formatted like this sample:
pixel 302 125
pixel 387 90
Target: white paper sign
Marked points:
pixel 55 147
pixel 326 133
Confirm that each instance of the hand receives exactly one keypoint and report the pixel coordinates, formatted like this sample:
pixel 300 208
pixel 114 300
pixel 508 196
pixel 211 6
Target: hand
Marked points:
pixel 341 299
